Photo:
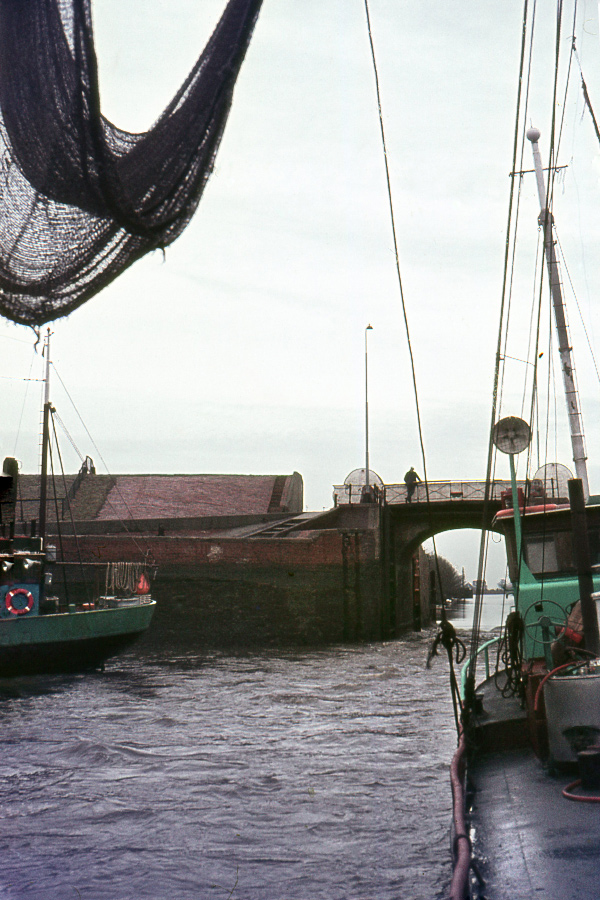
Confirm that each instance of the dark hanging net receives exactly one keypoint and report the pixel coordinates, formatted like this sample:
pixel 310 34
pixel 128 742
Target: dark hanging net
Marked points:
pixel 80 200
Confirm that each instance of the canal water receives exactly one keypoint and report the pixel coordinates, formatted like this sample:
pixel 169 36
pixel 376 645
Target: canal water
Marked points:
pixel 266 776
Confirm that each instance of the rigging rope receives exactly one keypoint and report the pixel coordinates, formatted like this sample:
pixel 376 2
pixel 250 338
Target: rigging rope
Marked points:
pixel 585 331
pixel 58 518
pixel 504 304
pixel 402 299
pixel 69 437
pixel 27 380
pixel 58 528
pixel 511 231
pixel 101 458
pixel 584 87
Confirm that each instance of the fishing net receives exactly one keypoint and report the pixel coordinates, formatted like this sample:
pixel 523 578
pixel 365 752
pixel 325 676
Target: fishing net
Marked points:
pixel 81 199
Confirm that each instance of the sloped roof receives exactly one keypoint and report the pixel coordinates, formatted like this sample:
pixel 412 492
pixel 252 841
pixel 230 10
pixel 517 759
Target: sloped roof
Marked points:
pixel 125 497
pixel 176 496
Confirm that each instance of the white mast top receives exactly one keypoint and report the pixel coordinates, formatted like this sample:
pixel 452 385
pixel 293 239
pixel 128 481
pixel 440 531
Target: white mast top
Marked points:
pixel 564 344
pixel 47 376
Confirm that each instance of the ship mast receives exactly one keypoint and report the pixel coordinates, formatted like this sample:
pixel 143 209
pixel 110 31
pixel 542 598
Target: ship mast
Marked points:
pixel 546 220
pixel 45 439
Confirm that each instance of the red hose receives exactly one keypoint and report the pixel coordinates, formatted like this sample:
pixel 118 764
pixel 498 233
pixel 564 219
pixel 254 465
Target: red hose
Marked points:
pixel 567 793
pixel 462 843
pixel 550 674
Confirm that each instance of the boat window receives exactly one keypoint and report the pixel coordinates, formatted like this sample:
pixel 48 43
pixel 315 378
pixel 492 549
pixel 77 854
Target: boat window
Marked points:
pixel 550 552
pixel 594 542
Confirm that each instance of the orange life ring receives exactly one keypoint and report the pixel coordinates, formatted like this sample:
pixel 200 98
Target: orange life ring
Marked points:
pixel 13 609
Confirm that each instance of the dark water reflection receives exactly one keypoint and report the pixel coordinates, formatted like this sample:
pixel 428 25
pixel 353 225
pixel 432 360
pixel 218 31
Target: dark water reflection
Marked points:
pixel 274 776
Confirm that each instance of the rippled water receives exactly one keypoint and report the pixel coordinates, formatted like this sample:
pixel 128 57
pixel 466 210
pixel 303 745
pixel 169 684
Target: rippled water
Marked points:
pixel 272 776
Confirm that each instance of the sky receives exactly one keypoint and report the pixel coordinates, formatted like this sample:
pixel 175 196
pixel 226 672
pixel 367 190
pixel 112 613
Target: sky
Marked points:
pixel 242 350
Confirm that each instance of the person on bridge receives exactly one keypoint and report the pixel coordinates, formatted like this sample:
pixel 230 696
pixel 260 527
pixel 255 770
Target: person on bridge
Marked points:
pixel 410 479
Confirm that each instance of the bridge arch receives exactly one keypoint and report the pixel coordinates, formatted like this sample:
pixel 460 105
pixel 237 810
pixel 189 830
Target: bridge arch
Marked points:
pixel 404 529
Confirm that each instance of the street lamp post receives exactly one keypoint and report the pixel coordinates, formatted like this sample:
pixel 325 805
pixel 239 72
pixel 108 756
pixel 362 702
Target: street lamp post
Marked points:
pixel 367 329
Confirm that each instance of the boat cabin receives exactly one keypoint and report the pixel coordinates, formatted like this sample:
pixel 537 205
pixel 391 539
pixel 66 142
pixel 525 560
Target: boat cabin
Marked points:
pixel 544 572
pixel 547 540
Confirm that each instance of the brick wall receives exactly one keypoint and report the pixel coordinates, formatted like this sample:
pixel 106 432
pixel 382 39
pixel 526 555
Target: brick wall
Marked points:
pixel 315 588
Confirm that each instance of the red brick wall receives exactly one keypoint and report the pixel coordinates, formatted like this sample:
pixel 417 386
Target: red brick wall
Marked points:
pixel 317 548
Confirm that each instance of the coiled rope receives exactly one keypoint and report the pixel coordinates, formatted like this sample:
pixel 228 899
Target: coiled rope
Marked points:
pixel 123 577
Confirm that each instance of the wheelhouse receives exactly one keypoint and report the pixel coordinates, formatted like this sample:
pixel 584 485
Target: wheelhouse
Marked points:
pixel 543 569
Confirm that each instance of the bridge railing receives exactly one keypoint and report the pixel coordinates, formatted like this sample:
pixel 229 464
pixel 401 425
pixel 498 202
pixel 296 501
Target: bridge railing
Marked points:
pixel 439 492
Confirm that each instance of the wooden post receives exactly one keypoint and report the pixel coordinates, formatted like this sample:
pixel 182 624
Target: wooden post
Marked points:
pixel 581 556
pixel 416 586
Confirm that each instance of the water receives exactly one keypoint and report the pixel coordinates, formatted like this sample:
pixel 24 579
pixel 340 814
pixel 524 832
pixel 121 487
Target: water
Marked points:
pixel 271 776
pixel 494 610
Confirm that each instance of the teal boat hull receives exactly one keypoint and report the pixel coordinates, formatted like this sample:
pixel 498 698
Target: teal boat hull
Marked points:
pixel 69 641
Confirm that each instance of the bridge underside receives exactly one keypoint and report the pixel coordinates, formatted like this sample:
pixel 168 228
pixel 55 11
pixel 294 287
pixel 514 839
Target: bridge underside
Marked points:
pixel 413 523
pixel 404 528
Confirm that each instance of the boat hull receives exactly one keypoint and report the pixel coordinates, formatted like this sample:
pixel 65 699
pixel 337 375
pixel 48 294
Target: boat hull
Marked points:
pixel 69 642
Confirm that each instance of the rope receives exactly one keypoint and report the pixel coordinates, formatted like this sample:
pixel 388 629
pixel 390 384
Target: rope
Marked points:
pixel 28 379
pixel 123 577
pixel 136 543
pixel 504 309
pixel 510 654
pixel 512 241
pixel 585 331
pixel 75 535
pixel 402 299
pixel 60 543
pixel 69 437
pixel 586 95
pixel 456 650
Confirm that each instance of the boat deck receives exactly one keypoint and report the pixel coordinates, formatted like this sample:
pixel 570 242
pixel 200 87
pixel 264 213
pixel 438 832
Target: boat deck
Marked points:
pixel 502 722
pixel 528 840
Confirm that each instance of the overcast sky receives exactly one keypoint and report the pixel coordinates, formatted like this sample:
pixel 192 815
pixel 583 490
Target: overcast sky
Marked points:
pixel 243 350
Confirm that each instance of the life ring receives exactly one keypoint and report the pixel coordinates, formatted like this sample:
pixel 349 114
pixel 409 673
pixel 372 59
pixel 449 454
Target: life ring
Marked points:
pixel 13 609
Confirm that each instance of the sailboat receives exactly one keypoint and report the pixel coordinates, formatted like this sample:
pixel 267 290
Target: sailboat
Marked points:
pixel 44 626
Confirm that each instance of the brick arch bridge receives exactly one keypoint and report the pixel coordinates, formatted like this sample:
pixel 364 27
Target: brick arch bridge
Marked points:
pixel 404 526
pixel 403 530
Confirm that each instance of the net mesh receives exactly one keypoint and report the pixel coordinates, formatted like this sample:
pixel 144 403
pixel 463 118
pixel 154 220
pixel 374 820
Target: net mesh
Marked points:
pixel 81 199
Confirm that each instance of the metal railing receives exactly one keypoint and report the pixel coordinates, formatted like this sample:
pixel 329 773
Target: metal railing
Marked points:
pixel 485 651
pixel 439 491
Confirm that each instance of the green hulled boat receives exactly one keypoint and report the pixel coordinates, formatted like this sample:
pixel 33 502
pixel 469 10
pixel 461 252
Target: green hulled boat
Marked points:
pixel 50 622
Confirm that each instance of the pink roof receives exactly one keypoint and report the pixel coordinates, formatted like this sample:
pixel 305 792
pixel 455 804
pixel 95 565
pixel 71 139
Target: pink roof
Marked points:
pixel 183 496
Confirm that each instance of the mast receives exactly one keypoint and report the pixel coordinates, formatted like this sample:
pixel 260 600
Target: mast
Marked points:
pixel 546 220
pixel 367 329
pixel 45 439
